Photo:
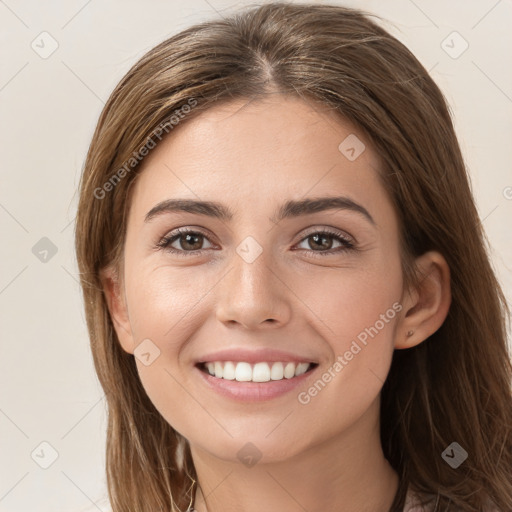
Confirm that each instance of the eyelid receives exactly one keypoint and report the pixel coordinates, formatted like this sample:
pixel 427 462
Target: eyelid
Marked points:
pixel 329 230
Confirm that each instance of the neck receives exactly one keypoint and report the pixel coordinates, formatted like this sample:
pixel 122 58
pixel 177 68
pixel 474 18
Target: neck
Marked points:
pixel 346 472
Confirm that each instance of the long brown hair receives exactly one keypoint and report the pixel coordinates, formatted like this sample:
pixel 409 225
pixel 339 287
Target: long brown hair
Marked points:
pixel 453 387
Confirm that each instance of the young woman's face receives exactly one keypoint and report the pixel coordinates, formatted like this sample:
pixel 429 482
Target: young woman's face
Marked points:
pixel 259 276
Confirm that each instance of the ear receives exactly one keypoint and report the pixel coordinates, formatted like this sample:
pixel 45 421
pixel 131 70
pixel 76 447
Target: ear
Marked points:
pixel 426 305
pixel 116 302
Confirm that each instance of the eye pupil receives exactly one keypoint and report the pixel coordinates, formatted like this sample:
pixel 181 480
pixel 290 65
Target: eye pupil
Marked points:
pixel 318 236
pixel 188 238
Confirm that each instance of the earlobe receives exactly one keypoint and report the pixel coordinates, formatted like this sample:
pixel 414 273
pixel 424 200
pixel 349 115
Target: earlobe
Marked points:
pixel 116 304
pixel 426 306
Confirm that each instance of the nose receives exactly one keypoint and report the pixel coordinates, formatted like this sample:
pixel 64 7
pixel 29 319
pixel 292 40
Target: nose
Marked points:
pixel 254 294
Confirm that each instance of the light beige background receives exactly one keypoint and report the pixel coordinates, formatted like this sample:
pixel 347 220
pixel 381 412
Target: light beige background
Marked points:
pixel 49 105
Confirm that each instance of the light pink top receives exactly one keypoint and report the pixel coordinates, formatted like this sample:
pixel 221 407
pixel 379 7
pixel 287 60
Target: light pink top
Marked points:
pixel 412 503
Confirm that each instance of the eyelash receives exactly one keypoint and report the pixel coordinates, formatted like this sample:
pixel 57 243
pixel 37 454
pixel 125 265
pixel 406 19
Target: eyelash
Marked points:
pixel 347 245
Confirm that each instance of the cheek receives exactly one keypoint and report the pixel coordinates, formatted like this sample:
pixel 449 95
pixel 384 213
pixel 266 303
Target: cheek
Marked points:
pixel 356 310
pixel 162 301
pixel 164 306
pixel 347 301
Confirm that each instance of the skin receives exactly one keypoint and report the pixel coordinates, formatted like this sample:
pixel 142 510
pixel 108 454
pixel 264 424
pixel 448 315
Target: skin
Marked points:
pixel 252 157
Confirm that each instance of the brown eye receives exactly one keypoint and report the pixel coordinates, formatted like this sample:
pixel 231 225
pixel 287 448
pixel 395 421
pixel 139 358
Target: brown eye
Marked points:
pixel 322 242
pixel 190 241
pixel 183 241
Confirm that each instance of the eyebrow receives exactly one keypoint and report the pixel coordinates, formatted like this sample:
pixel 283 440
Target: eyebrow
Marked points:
pixel 290 209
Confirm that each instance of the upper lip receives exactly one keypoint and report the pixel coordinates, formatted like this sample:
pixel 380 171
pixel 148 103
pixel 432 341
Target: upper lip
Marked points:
pixel 254 356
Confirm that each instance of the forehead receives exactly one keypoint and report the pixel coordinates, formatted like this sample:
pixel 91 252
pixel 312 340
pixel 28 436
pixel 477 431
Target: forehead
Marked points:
pixel 253 152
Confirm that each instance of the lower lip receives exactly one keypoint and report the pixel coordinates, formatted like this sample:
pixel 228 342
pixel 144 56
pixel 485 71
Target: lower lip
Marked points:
pixel 253 391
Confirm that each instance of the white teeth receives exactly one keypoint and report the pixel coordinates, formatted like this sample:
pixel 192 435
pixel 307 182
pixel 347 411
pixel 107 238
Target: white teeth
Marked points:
pixel 289 370
pixel 259 372
pixel 218 370
pixel 277 372
pixel 301 368
pixel 243 372
pixel 229 371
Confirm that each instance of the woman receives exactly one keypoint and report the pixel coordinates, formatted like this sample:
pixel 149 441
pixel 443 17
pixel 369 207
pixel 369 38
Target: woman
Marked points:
pixel 286 285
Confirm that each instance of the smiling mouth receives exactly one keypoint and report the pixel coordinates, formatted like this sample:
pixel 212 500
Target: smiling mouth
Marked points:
pixel 259 372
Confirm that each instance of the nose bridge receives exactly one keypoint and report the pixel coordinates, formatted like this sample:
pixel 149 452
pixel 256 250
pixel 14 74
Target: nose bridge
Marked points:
pixel 253 266
pixel 251 293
